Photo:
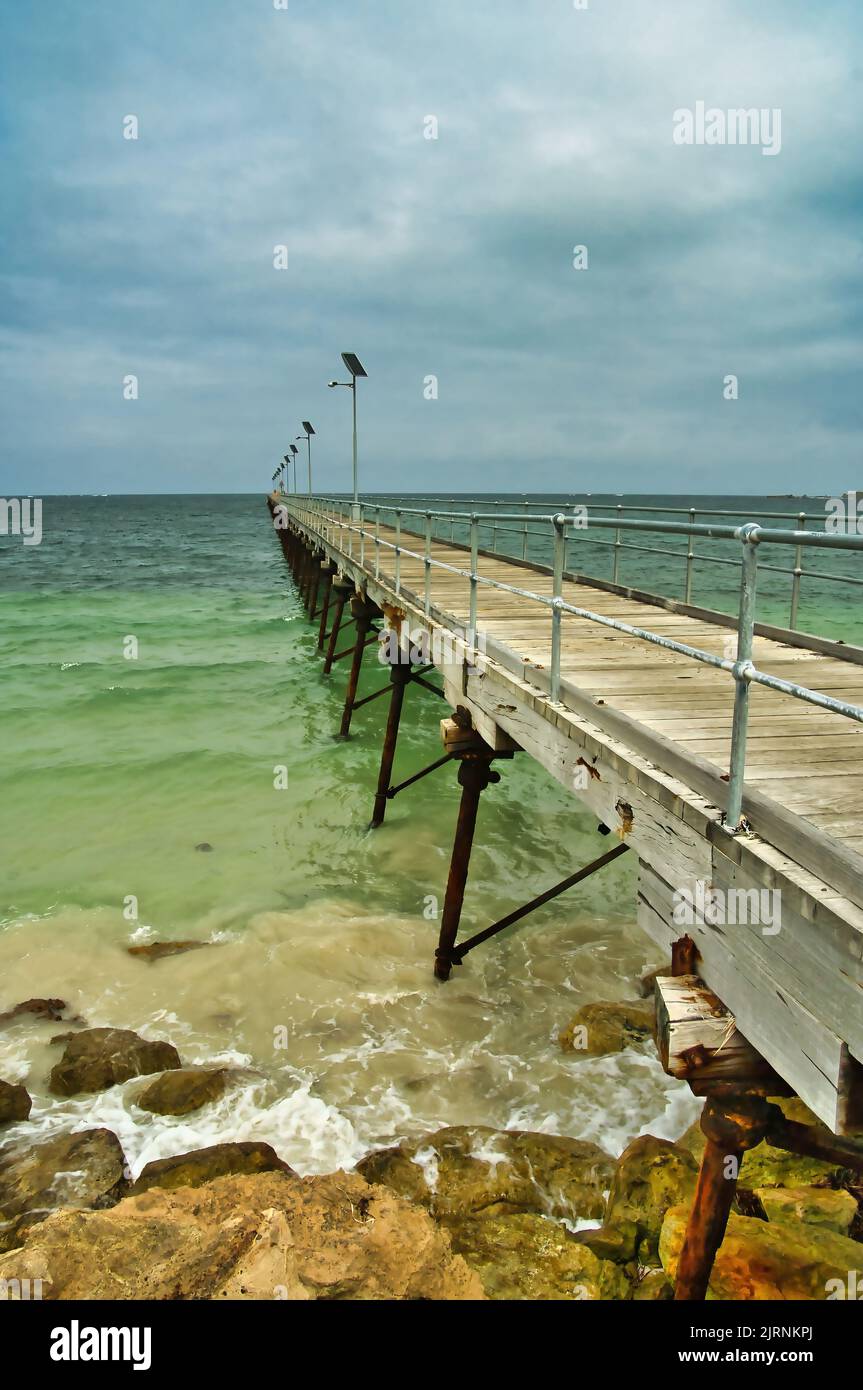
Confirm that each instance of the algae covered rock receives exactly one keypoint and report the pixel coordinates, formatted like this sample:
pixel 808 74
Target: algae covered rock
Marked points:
pixel 817 1206
pixel 468 1170
pixel 651 1176
pixel 618 1242
pixel 598 1029
pixel 71 1170
pixel 15 1103
pixel 101 1057
pixel 272 1236
pixel 654 1287
pixel 765 1166
pixel 203 1165
pixel 761 1260
pixel 530 1257
pixel 180 1092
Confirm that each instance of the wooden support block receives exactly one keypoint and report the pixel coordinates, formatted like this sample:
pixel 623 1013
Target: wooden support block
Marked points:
pixel 457 735
pixel 697 1037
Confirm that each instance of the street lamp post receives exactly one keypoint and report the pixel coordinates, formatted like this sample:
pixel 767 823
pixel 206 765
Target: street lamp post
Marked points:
pixel 309 432
pixel 356 369
pixel 287 467
pixel 294 452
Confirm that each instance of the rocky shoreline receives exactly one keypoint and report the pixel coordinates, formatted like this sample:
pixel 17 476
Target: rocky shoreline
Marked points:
pixel 464 1213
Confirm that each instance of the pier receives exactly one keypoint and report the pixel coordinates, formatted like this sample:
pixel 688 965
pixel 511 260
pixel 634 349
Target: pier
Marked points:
pixel 724 752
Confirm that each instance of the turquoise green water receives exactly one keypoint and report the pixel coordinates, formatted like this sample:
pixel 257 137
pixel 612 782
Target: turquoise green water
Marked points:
pixel 318 981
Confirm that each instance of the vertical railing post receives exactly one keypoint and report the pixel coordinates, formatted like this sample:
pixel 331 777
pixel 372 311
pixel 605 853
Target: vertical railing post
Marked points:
pixel 362 534
pixel 559 558
pixel 690 556
pixel 494 529
pixel 451 518
pixel 524 537
pixel 617 544
pixel 398 554
pixel 798 574
pixel 474 563
pixel 378 543
pixel 748 535
pixel 427 563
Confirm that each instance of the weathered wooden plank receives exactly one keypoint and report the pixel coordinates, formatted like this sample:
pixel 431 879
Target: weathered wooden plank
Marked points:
pixel 805 1051
pixel 696 1036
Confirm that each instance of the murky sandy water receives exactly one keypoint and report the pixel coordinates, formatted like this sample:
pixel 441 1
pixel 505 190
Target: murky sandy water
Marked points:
pixel 344 1040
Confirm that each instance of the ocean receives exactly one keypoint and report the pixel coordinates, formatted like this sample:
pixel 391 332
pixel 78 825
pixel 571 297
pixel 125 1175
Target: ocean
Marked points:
pixel 157 668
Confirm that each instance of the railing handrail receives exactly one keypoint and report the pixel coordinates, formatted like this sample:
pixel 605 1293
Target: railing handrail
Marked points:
pixel 765 534
pixel 370 498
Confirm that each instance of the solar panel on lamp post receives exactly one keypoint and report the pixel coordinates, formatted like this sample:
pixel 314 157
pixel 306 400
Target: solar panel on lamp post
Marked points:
pixel 356 369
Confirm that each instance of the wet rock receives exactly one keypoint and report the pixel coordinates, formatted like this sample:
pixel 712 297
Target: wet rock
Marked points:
pixel 102 1057
pixel 530 1257
pixel 647 983
pixel 765 1166
pixel 618 1243
pixel 15 1103
pixel 819 1206
pixel 181 1092
pixel 760 1260
pixel 71 1170
pixel 53 1009
pixel 655 1287
pixel 203 1165
pixel 651 1176
pixel 269 1236
pixel 598 1029
pixel 467 1170
pixel 157 950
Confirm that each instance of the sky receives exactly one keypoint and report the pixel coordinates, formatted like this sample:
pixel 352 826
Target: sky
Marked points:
pixel 450 258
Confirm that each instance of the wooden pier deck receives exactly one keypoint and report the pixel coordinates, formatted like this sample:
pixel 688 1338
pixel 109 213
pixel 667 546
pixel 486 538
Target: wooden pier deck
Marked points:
pixel 641 736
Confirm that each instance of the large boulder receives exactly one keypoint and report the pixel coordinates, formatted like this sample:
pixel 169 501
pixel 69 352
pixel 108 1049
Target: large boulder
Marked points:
pixel 203 1165
pixel 472 1170
pixel 598 1029
pixel 819 1206
pixel 101 1057
pixel 761 1260
pixel 530 1257
pixel 269 1236
pixel 181 1092
pixel 71 1170
pixel 15 1103
pixel 651 1176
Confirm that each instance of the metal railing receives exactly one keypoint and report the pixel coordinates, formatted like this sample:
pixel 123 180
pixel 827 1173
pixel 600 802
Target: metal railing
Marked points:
pixel 327 516
pixel 530 531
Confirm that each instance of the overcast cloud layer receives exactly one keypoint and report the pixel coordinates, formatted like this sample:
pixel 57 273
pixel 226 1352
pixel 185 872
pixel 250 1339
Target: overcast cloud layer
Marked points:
pixel 450 257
